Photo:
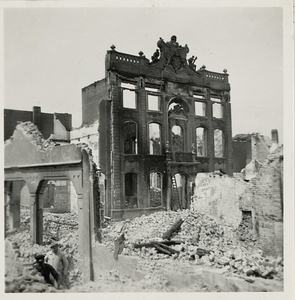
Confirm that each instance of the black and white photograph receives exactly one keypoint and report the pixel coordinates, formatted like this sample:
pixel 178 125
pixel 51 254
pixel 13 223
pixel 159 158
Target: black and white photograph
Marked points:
pixel 148 148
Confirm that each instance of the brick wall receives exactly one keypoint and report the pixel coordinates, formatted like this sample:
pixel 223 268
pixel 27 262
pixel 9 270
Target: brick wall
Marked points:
pixel 225 198
pixel 91 96
pixel 11 117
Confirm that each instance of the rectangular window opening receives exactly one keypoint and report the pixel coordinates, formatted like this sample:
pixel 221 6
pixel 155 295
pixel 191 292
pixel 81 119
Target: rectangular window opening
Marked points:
pixel 217 110
pixel 200 109
pixel 153 102
pixel 129 99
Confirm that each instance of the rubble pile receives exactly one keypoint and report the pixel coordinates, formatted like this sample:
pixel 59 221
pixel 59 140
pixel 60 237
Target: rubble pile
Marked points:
pixel 62 228
pixel 35 136
pixel 21 277
pixel 203 242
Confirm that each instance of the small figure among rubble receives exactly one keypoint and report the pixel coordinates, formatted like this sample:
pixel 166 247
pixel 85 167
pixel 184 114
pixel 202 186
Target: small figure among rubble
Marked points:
pixel 46 270
pixel 60 263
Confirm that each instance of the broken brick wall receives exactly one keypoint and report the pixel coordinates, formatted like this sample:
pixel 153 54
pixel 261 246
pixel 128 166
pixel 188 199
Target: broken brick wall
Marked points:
pixel 236 202
pixel 222 197
pixel 268 203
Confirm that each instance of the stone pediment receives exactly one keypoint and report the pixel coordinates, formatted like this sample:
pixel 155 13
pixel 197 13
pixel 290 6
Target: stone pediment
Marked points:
pixel 170 61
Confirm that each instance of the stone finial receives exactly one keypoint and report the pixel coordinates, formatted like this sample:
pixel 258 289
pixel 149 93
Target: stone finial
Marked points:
pixel 113 47
pixel 225 71
pixel 140 53
pixel 203 67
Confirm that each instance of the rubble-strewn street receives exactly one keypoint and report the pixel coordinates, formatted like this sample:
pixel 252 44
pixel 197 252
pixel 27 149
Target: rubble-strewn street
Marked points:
pixel 202 243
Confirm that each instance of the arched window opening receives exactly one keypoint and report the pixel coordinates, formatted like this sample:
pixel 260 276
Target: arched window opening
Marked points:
pixel 218 143
pixel 177 139
pixel 155 189
pixel 201 141
pixel 178 108
pixel 130 137
pixel 131 190
pixel 155 139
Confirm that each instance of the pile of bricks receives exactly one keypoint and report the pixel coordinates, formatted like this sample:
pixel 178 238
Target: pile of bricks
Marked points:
pixel 203 242
pixel 35 136
pixel 62 228
pixel 21 277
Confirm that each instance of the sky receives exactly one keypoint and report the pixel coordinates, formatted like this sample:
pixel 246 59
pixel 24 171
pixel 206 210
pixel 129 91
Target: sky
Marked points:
pixel 51 53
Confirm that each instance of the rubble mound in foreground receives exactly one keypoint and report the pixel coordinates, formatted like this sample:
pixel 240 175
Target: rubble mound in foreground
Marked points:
pixel 203 242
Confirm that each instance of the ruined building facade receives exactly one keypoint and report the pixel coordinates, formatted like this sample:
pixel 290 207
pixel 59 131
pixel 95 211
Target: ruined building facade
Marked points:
pixel 160 122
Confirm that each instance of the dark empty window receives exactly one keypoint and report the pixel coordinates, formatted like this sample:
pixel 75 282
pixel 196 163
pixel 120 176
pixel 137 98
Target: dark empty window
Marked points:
pixel 130 137
pixel 131 190
pixel 155 189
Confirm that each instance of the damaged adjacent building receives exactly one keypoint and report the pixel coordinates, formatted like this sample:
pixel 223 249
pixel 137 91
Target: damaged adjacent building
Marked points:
pixel 251 151
pixel 160 122
pixel 56 126
pixel 53 127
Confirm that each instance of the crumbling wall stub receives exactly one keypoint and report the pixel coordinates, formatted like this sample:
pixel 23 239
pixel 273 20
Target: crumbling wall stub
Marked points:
pixel 218 196
pixel 268 203
pixel 254 208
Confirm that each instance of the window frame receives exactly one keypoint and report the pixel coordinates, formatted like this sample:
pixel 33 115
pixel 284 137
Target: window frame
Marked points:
pixel 130 89
pixel 135 143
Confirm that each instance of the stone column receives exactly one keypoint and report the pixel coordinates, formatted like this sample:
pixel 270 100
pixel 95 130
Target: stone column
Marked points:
pixel 34 219
pixel 80 222
pixel 87 219
pixel 169 186
pixel 116 190
pixel 14 205
pixel 142 188
pixel 228 136
pixel 210 134
pixel 36 214
pixel 7 186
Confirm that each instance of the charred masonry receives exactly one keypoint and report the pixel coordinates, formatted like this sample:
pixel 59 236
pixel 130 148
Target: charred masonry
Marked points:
pixel 160 123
